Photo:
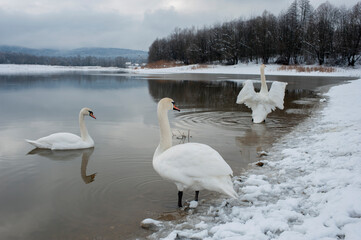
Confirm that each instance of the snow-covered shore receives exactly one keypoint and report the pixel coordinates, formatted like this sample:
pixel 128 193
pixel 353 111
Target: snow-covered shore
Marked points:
pixel 251 68
pixel 23 69
pixel 309 187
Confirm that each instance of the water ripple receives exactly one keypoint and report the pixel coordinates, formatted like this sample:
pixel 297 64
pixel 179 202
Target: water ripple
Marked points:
pixel 229 120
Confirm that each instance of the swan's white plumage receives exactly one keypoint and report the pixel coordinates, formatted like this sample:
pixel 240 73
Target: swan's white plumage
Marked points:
pixel 61 141
pixel 192 166
pixel 195 166
pixel 263 102
pixel 277 93
pixel 66 141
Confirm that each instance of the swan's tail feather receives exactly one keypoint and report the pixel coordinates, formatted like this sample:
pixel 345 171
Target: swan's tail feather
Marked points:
pixel 227 187
pixel 31 142
pixel 230 192
pixel 34 143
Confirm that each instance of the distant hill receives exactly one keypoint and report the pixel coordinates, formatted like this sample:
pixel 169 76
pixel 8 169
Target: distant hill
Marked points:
pixel 133 55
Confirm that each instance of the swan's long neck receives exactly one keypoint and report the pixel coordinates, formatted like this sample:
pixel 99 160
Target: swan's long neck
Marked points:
pixel 165 132
pixel 83 130
pixel 264 88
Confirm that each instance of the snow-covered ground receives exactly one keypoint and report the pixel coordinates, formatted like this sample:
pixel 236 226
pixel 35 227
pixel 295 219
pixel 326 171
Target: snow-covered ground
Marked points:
pixel 309 187
pixel 11 69
pixel 250 68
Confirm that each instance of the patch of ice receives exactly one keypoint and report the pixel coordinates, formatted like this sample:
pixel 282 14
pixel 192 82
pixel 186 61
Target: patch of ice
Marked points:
pixel 296 111
pixel 303 102
pixel 193 204
pixel 151 224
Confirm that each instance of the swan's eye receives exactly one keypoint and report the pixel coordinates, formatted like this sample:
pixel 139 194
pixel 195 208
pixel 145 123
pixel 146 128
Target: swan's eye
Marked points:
pixel 90 112
pixel 173 102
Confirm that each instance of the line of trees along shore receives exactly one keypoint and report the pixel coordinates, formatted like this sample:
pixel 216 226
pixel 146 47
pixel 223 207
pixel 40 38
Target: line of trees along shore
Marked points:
pixel 300 34
pixel 20 58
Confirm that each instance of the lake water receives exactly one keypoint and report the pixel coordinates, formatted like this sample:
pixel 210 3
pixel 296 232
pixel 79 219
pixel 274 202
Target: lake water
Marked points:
pixel 104 192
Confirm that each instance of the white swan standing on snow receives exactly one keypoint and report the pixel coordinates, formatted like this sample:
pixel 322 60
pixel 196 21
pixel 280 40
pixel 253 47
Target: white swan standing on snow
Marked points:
pixel 192 165
pixel 65 141
pixel 263 102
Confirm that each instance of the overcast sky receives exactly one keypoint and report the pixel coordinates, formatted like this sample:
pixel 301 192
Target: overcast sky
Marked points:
pixel 133 24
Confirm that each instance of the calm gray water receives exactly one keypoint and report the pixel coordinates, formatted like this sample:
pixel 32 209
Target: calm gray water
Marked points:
pixel 104 193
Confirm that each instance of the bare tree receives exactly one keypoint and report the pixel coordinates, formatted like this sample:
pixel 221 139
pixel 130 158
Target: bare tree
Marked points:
pixel 348 34
pixel 321 31
pixel 298 35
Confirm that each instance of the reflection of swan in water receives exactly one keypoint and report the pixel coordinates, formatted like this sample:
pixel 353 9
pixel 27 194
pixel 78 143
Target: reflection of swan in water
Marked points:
pixel 64 140
pixel 84 163
pixel 254 140
pixel 69 155
pixel 255 135
pixel 190 165
pixel 262 102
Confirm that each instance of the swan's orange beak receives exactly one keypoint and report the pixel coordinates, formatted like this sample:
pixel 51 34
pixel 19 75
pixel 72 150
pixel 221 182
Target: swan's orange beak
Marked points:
pixel 91 114
pixel 175 108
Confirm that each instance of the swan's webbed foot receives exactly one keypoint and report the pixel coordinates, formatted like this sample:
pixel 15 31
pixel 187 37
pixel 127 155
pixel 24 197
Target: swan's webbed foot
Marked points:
pixel 196 196
pixel 180 195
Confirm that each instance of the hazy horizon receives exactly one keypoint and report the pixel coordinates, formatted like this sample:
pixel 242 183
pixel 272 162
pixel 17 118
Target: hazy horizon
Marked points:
pixel 68 49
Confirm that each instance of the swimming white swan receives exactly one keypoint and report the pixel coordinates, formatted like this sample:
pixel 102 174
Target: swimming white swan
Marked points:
pixel 64 141
pixel 191 165
pixel 263 102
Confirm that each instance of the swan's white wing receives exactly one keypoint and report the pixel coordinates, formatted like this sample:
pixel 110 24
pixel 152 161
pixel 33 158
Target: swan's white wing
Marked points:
pixel 196 166
pixel 256 101
pixel 60 138
pixel 247 95
pixel 60 141
pixel 277 93
pixel 193 160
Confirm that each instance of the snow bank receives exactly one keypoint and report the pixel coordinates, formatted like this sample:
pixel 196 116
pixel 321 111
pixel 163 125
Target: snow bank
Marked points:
pixel 309 187
pixel 250 68
pixel 11 69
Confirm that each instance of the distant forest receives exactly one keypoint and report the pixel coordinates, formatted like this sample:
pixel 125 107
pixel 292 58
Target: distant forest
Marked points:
pixel 301 34
pixel 21 58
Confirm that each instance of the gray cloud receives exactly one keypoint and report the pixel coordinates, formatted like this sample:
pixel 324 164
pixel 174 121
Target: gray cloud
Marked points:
pixel 66 30
pixel 110 23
